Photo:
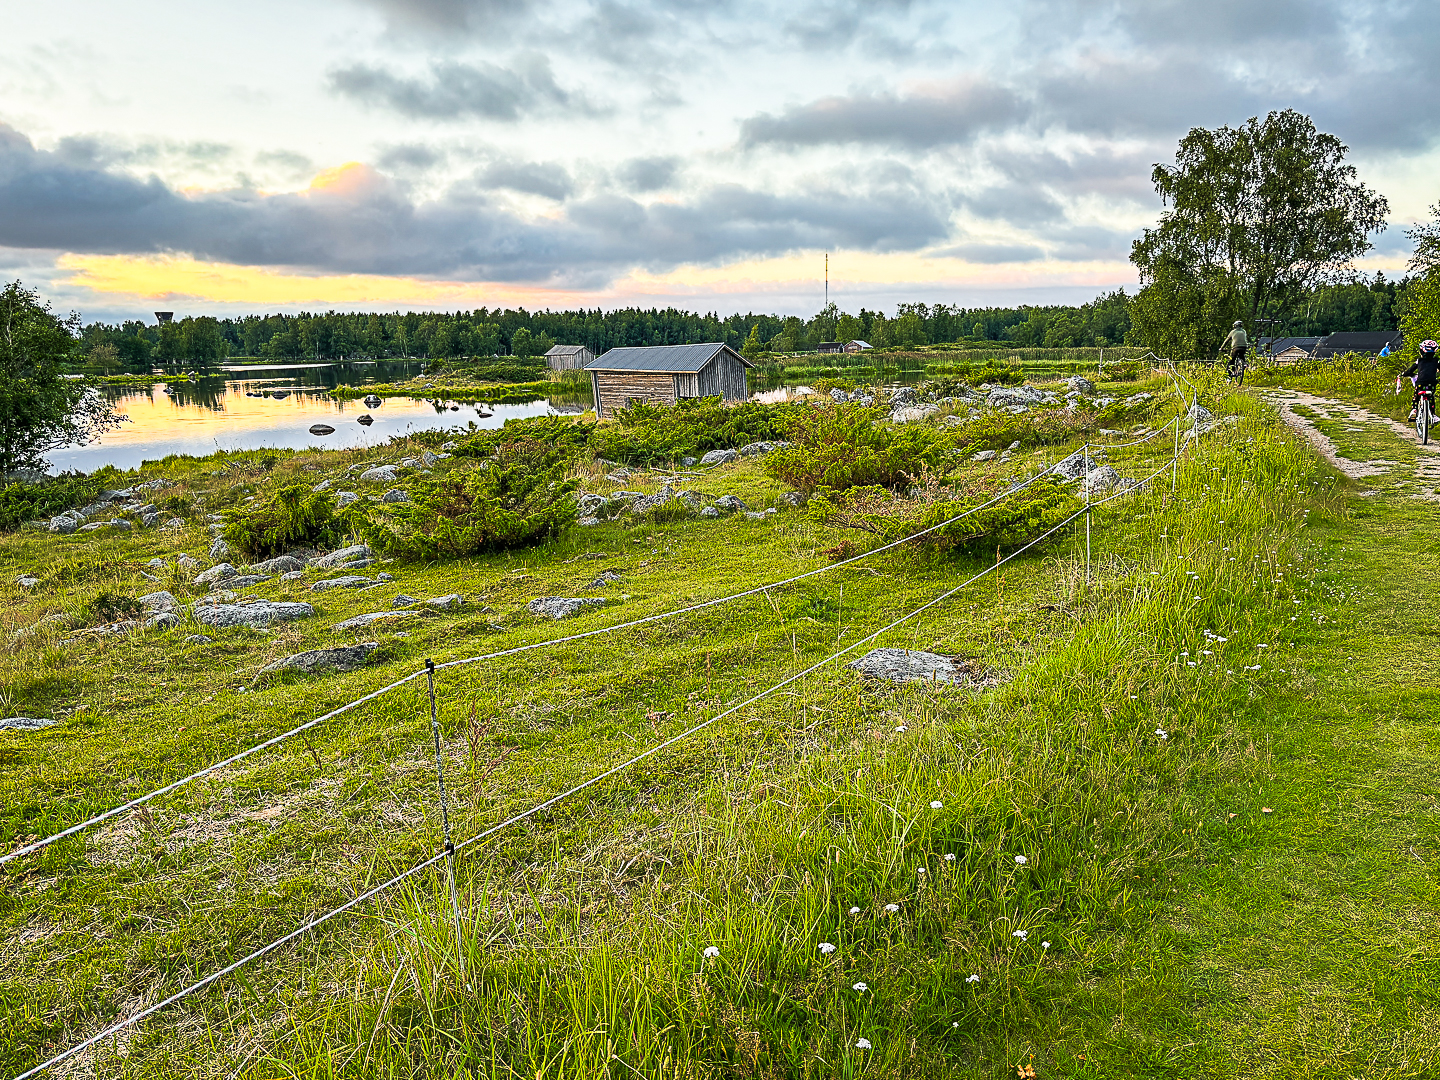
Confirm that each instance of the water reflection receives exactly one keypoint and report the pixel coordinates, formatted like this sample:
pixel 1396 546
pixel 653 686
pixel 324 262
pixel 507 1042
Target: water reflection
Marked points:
pixel 249 407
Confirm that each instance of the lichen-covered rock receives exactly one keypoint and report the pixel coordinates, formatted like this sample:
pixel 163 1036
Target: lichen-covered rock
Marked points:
pixel 904 395
pixel 729 504
pixel 381 474
pixel 719 457
pixel 446 603
pixel 1080 385
pixel 792 498
pixel 345 498
pixel 403 601
pixel 219 550
pixel 280 564
pixel 562 607
pixel 395 495
pixel 755 449
pixel 983 455
pixel 159 601
pixel 349 581
pixel 24 723
pixel 66 523
pixel 244 581
pixel 592 505
pixel 345 658
pixel 709 512
pixel 162 621
pixel 261 613
pixel 1105 478
pixel 908 665
pixel 216 573
pixel 344 555
pixel 908 414
pixel 1070 468
pixel 358 622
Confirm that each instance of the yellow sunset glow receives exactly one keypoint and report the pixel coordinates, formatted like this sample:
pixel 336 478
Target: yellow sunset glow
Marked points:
pixel 171 278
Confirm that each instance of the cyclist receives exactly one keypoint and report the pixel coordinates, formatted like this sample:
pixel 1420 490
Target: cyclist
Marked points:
pixel 1236 344
pixel 1422 373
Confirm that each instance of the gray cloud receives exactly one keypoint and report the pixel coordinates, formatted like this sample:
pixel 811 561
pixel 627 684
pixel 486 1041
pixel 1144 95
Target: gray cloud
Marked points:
pixel 455 91
pixel 449 15
pixel 991 253
pixel 533 178
pixel 648 174
pixel 955 115
pixel 367 223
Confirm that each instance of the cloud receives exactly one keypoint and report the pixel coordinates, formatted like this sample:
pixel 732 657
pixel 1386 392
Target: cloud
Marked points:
pixel 922 119
pixel 356 220
pixel 456 91
pixel 640 175
pixel 449 15
pixel 991 253
pixel 548 180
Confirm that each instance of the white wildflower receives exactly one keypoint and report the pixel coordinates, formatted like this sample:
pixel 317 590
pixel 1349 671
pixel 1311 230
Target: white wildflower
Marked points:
pixel 826 948
pixel 1020 860
pixel 936 805
pixel 973 979
pixel 892 908
pixel 919 869
pixel 862 987
pixel 1044 944
pixel 854 911
pixel 900 727
pixel 949 856
pixel 863 1044
pixel 1162 733
pixel 711 952
pixel 1021 934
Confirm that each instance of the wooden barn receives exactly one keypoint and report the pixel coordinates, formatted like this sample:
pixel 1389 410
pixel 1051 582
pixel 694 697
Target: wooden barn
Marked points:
pixel 568 357
pixel 663 374
pixel 857 346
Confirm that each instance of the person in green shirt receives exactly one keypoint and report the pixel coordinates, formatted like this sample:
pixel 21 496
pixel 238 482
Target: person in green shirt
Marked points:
pixel 1236 345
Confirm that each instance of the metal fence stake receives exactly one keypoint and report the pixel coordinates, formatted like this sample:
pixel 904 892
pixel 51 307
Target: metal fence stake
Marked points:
pixel 445 817
pixel 1087 515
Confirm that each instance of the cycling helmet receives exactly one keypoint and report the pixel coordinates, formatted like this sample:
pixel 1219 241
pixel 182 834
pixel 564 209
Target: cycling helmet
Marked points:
pixel 1428 346
pixel 1237 324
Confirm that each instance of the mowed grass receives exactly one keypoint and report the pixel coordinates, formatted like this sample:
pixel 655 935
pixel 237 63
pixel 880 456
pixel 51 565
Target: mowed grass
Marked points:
pixel 1123 944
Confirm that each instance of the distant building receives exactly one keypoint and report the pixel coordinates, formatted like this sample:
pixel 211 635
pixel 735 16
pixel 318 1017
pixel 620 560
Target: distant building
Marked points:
pixel 1291 348
pixel 163 317
pixel 831 347
pixel 568 357
pixel 1369 342
pixel 857 346
pixel 663 374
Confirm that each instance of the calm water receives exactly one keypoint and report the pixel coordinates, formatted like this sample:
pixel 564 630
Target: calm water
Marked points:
pixel 219 414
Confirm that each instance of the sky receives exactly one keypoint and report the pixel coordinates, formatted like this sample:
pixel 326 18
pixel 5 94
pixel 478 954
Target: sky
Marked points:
pixel 221 159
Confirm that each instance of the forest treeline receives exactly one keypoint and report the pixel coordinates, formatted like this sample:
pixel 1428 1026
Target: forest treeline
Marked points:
pixel 133 345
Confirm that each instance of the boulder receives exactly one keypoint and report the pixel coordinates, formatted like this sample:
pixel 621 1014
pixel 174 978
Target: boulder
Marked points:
pixel 216 573
pixel 908 665
pixel 1105 478
pixel 344 555
pixel 446 603
pixel 159 601
pixel 164 620
pixel 24 723
pixel 840 397
pixel 905 414
pixel 372 401
pixel 404 601
pixel 429 457
pixel 709 512
pixel 755 449
pixel 1071 468
pixel 1014 395
pixel 219 550
pixel 323 485
pixel 395 495
pixel 358 622
pixel 350 581
pixel 381 474
pixel 66 523
pixel 280 564
pixel 905 395
pixel 729 504
pixel 345 658
pixel 719 457
pixel 321 429
pixel 592 505
pixel 983 455
pixel 345 498
pixel 1078 384
pixel 261 613
pixel 562 607
pixel 198 639
pixel 293 575
pixel 646 503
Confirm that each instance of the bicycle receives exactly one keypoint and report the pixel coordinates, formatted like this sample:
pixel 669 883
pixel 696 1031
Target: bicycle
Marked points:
pixel 1424 411
pixel 1235 369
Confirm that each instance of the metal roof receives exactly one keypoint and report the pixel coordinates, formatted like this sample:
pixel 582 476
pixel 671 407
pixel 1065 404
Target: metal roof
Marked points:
pixel 565 350
pixel 682 359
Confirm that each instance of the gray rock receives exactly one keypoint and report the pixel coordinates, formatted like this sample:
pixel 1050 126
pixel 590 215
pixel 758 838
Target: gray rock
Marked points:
pixel 404 601
pixel 257 614
pixel 149 520
pixel 561 607
pixel 1102 479
pixel 592 505
pixel 429 457
pixel 646 503
pixel 186 563
pixel 321 429
pixel 1078 384
pixel 792 498
pixel 693 499
pixel 451 445
pixel 24 723
pixel 157 563
pixel 687 461
pixel 983 455
pixel 350 581
pixel 622 496
pixel 587 521
pixel 907 414
pixel 619 476
pixel 158 484
pixel 865 401
pixel 719 457
pixel 173 523
pixel 1014 395
pixel 381 474
pixel 384 577
pixel 1199 415
pixel 280 564
pixel 905 395
pixel 198 639
pixel 607 577
pixel 755 449
pixel 219 550
pixel 293 575
pixel 840 397
pixel 709 512
pixel 1071 468
pixel 120 523
pixel 1014 445
pixel 446 603
pixel 908 665
pixel 1016 409
pixel 244 581
pixel 395 495
pixel 66 523
pixel 323 485
pixel 345 658
pixel 345 498
pixel 216 573
pixel 729 504
pixel 344 555
pixel 159 601
pixel 358 622
pixel 162 621
pixel 92 526
pixel 25 581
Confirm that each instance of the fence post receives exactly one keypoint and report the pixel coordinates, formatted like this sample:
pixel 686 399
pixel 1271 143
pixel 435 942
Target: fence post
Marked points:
pixel 1175 461
pixel 1087 516
pixel 445 817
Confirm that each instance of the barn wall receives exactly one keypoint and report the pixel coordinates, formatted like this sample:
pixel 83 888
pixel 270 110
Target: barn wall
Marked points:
pixel 723 376
pixel 615 389
pixel 573 362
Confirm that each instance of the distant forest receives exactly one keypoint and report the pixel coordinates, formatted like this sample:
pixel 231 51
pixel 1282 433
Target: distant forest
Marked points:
pixel 1372 305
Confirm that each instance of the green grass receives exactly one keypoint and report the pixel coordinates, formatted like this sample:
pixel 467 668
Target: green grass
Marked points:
pixel 1183 941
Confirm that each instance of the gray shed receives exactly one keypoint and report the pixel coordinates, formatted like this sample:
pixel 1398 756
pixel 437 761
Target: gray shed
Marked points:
pixel 568 357
pixel 663 374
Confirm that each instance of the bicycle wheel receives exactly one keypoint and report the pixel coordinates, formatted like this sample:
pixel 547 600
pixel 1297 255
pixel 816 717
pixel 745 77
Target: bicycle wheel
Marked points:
pixel 1240 372
pixel 1423 418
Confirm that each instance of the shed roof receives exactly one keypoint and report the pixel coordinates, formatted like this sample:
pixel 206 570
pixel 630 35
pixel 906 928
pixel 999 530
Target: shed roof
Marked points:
pixel 564 350
pixel 1281 344
pixel 682 359
pixel 1366 342
pixel 862 344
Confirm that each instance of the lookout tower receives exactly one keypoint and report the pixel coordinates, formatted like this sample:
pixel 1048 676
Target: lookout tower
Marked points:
pixel 163 317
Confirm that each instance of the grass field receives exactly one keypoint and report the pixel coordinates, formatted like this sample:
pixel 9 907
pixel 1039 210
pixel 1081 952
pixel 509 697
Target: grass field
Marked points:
pixel 1179 827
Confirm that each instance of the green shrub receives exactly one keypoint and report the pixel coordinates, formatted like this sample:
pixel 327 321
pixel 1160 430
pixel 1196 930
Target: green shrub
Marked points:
pixel 843 446
pixel 24 501
pixel 108 607
pixel 517 498
pixel 294 516
pixel 647 433
pixel 1012 521
pixel 564 434
pixel 1040 427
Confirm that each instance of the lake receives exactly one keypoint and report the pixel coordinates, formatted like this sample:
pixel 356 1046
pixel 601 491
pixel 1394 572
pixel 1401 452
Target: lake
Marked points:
pixel 219 413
